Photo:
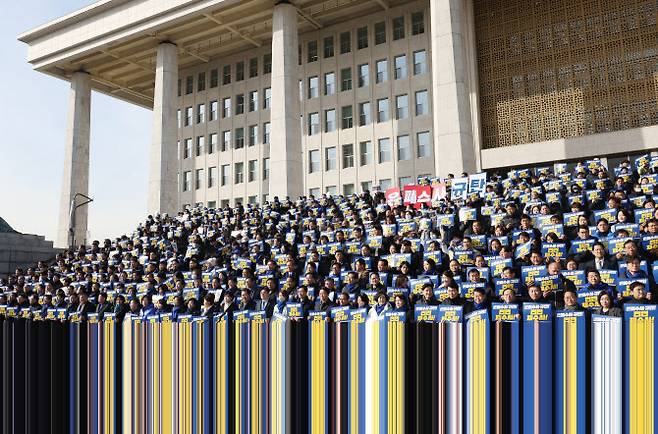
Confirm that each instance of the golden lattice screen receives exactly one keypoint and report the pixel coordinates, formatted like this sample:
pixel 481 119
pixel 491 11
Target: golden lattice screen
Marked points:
pixel 552 69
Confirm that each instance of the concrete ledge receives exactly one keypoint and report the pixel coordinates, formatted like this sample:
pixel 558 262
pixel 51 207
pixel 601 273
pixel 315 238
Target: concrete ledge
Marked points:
pixel 617 142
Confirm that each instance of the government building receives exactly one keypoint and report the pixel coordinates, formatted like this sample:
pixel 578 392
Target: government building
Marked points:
pixel 253 99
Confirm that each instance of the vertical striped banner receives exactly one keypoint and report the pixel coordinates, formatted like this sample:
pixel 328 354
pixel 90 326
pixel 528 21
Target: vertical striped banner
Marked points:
pixel 201 376
pixel 127 378
pixel 450 370
pixel 357 372
pixel 259 354
pixel 640 346
pixel 184 374
pixel 138 363
pixel 537 368
pixel 318 375
pixel 223 376
pixel 153 371
pixel 477 379
pixel 606 356
pixel 242 372
pixel 110 372
pixel 506 417
pixel 340 368
pixel 279 363
pixel 168 374
pixel 385 376
pixel 94 369
pixel 571 370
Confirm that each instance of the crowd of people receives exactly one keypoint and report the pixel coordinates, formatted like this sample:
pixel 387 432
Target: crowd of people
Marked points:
pixel 578 236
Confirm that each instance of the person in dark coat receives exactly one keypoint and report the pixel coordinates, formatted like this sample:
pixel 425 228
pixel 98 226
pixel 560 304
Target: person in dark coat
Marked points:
pixel 267 302
pixel 606 307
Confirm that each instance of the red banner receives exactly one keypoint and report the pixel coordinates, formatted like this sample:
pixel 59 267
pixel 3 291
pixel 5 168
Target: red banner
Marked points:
pixel 393 196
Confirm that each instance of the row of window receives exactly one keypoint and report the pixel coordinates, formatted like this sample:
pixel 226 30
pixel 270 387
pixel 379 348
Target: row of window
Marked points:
pixel 251 68
pixel 421 108
pixel 367 152
pixel 185 118
pixel 363 75
pixel 237 136
pixel 225 175
pixel 362 37
pixel 226 75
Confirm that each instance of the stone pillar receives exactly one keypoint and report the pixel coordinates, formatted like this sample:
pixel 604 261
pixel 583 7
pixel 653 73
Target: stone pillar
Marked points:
pixel 163 161
pixel 286 169
pixel 454 148
pixel 76 163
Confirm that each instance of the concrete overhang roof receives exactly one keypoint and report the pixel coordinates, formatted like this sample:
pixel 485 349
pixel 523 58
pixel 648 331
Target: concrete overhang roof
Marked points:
pixel 116 40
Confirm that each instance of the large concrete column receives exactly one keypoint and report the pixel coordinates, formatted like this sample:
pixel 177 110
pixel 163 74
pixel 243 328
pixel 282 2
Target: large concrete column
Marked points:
pixel 163 166
pixel 287 177
pixel 454 149
pixel 76 163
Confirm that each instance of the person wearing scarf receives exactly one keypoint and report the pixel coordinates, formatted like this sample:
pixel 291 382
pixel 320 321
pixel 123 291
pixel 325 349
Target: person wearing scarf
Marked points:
pixel 381 306
pixel 479 301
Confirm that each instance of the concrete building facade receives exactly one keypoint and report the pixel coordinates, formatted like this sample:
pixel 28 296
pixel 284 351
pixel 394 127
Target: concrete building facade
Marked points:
pixel 253 99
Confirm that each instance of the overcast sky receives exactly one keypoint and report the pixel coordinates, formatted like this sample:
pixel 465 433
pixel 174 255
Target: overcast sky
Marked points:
pixel 33 113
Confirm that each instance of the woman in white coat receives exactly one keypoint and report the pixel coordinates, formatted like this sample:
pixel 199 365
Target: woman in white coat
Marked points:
pixel 381 306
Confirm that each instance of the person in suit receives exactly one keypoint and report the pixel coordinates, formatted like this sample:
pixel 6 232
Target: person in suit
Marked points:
pixel 246 302
pixel 147 306
pixel 571 300
pixel 120 307
pixel 480 301
pixel 323 302
pixel 208 308
pixel 600 260
pixel 103 306
pixel 606 307
pixel 85 306
pixel 228 306
pixel 266 302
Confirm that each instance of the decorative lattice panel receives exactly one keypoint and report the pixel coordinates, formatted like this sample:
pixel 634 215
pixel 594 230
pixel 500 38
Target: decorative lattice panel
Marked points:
pixel 552 69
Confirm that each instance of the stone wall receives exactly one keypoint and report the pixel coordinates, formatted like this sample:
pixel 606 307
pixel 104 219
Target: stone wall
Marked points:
pixel 23 250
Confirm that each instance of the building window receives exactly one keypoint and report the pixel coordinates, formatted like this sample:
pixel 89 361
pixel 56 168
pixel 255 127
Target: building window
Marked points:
pixel 301 90
pixel 239 173
pixel 253 170
pixel 201 82
pixel 187 149
pixel 239 71
pixel 313 84
pixel 225 203
pixel 398 28
pixel 400 66
pixel 188 116
pixel 198 180
pixel 253 100
pixel 329 83
pixel 212 143
pixel 345 42
pixel 420 62
pixel 385 184
pixel 200 142
pixel 239 138
pixel 266 168
pixel 331 162
pixel 423 141
pixel 189 85
pixel 200 113
pixel 239 104
pixel 329 120
pixel 365 152
pixel 252 200
pixel 313 124
pixel 179 87
pixel 380 33
pixel 331 190
pixel 417 23
pixel 364 113
pixel 214 78
pixel 253 67
pixel 404 148
pixel 364 75
pixel 266 133
pixel 422 104
pixel 267 63
pixel 348 189
pixel 362 38
pixel 401 107
pixel 187 178
pixel 226 140
pixel 213 111
pixel 328 47
pixel 346 117
pixel 382 71
pixel 384 150
pixel 366 186
pixel 226 107
pixel 312 51
pixel 179 118
pixel 382 110
pixel 314 192
pixel 226 74
pixel 212 204
pixel 226 174
pixel 267 98
pixel 345 79
pixel 404 180
pixel 212 176
pixel 253 135
pixel 348 155
pixel 314 161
